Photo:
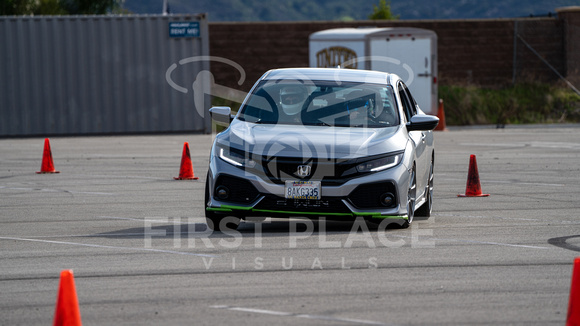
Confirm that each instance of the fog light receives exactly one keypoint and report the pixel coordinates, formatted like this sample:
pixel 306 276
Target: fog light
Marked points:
pixel 222 192
pixel 387 199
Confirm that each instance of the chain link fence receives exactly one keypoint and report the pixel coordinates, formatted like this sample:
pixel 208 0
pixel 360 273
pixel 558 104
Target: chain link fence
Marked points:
pixel 540 52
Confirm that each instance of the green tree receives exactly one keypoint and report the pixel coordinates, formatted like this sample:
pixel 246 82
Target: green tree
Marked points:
pixel 89 7
pixel 383 11
pixel 58 7
pixel 16 7
pixel 49 8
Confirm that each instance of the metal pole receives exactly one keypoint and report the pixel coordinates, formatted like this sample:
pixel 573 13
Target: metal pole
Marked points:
pixel 515 62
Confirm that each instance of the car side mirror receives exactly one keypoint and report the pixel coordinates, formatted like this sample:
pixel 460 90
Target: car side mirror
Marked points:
pixel 422 122
pixel 221 114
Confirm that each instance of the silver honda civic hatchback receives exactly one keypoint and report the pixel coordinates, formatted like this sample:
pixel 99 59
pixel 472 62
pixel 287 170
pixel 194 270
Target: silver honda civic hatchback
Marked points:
pixel 322 143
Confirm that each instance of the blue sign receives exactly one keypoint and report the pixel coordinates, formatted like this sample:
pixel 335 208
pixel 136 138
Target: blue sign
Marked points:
pixel 184 29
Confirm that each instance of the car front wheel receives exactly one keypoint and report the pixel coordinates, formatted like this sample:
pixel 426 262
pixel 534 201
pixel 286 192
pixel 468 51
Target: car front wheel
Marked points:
pixel 427 207
pixel 411 196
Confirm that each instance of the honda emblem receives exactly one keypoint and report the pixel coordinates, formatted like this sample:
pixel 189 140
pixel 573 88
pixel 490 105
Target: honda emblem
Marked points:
pixel 303 171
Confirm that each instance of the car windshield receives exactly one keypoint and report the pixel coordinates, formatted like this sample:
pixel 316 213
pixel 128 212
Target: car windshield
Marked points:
pixel 322 103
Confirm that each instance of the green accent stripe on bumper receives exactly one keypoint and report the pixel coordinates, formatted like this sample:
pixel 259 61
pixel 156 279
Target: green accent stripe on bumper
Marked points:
pixel 228 208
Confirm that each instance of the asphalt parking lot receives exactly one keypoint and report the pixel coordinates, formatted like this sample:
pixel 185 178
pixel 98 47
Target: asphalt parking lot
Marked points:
pixel 141 255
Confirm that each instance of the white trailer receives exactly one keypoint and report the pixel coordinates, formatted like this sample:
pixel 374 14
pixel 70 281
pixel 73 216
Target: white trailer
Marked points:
pixel 408 52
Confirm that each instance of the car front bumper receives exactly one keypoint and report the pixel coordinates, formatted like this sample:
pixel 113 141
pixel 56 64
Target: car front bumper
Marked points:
pixel 251 195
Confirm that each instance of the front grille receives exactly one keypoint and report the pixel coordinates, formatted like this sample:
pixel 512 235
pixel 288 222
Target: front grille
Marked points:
pixel 281 168
pixel 369 195
pixel 241 191
pixel 331 172
pixel 324 205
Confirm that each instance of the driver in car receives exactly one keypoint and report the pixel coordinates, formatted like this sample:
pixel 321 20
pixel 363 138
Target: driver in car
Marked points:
pixel 360 109
pixel 292 99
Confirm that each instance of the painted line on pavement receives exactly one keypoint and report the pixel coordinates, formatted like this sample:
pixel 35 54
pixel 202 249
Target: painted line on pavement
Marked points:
pixel 476 242
pixel 491 217
pixel 157 219
pixel 532 144
pixel 110 247
pixel 511 182
pixel 146 219
pixel 307 316
pixel 59 190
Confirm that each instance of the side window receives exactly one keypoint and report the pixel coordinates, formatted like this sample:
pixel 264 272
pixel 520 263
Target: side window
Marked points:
pixel 411 100
pixel 407 107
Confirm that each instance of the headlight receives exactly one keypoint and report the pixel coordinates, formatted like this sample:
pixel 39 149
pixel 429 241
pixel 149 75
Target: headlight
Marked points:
pixel 236 157
pixel 380 164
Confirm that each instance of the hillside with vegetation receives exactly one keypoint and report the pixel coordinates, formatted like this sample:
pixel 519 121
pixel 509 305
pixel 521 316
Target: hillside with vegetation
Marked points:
pixel 306 10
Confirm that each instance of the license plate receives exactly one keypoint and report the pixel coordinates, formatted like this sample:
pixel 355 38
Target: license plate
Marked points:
pixel 302 190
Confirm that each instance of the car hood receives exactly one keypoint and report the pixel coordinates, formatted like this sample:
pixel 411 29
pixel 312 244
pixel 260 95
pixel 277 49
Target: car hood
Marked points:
pixel 312 141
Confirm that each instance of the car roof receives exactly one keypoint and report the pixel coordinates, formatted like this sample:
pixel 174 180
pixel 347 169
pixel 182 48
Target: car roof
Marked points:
pixel 346 75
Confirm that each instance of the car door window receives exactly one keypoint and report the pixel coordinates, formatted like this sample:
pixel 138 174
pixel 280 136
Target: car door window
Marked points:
pixel 411 100
pixel 407 106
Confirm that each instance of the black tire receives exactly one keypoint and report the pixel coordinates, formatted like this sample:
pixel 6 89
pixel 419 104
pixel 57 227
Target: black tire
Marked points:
pixel 427 207
pixel 411 197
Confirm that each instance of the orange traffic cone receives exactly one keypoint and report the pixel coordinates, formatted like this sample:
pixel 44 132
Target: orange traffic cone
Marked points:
pixel 441 115
pixel 186 170
pixel 574 304
pixel 47 163
pixel 67 305
pixel 473 188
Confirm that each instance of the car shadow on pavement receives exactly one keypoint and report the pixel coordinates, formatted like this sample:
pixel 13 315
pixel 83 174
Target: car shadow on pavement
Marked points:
pixel 267 228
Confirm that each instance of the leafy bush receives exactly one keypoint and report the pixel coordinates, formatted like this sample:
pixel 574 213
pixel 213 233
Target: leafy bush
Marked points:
pixel 523 103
